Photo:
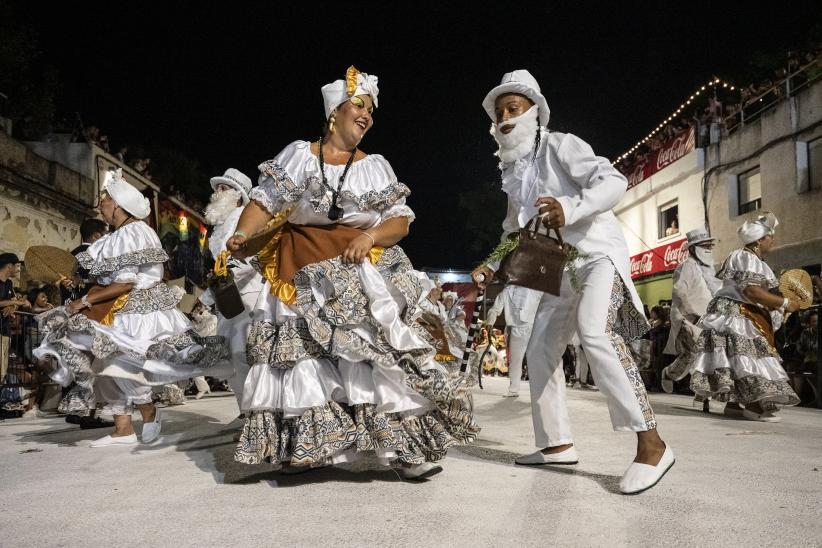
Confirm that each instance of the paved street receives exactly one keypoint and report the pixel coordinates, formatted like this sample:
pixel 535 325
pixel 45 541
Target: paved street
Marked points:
pixel 735 483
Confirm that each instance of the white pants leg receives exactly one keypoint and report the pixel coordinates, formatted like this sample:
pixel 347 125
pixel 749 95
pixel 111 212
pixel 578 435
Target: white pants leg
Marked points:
pixel 201 384
pixel 614 370
pixel 581 372
pixel 518 337
pixel 553 326
pixel 520 308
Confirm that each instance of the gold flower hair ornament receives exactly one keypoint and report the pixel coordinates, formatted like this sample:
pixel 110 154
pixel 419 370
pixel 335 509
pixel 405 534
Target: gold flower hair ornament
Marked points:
pixel 351 80
pixel 366 83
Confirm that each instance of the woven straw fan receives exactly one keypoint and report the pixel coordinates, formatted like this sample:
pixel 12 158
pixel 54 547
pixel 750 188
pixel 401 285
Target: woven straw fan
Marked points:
pixel 49 264
pixel 796 285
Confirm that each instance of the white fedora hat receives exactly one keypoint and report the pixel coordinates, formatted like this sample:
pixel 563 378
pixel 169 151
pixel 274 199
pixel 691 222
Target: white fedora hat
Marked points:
pixel 522 82
pixel 698 236
pixel 235 179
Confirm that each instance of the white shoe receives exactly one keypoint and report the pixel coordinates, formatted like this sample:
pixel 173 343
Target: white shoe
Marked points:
pixel 666 382
pixel 107 441
pixel 151 430
pixel 569 456
pixel 640 477
pixel 510 394
pixel 765 416
pixel 421 471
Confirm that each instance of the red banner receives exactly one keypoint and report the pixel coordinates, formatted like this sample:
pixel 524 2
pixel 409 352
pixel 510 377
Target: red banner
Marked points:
pixel 660 259
pixel 645 166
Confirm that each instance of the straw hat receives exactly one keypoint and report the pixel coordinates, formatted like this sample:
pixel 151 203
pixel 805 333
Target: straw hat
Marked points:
pixel 796 285
pixel 49 264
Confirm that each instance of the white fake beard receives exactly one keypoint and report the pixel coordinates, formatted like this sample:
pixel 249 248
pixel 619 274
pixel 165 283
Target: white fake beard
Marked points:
pixel 220 206
pixel 204 322
pixel 520 140
pixel 705 256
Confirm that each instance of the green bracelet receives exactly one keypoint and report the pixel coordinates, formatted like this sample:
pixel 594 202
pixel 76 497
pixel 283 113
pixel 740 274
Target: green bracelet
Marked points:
pixel 240 233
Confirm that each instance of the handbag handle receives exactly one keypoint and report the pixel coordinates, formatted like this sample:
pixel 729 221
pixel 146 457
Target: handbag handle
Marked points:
pixel 533 234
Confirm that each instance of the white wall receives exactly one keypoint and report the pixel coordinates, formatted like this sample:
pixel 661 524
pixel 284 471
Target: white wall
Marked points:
pixel 639 209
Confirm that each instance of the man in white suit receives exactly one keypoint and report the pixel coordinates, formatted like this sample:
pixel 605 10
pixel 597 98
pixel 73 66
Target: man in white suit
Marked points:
pixel 559 176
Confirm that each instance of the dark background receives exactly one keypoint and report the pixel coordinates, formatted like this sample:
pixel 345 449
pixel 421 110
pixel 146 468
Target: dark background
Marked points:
pixel 231 85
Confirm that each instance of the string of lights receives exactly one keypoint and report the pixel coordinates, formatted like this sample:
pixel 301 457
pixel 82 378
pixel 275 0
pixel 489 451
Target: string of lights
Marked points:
pixel 713 83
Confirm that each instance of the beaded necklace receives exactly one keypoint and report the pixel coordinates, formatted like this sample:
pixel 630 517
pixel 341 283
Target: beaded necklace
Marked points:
pixel 335 212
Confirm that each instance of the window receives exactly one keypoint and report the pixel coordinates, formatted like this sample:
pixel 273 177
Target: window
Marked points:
pixel 750 191
pixel 815 164
pixel 669 220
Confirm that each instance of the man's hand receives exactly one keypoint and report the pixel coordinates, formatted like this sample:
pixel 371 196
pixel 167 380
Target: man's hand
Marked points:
pixel 482 276
pixel 793 306
pixel 555 215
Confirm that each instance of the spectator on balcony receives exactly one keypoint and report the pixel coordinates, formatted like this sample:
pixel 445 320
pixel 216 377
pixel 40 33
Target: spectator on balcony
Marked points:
pixel 121 154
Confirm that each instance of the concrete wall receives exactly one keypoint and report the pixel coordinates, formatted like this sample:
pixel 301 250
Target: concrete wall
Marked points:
pixel 770 143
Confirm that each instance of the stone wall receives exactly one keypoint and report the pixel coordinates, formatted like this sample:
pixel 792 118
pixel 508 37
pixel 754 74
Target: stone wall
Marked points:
pixel 41 202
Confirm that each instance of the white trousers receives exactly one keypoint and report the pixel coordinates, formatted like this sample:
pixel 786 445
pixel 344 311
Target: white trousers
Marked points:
pixel 595 315
pixel 520 308
pixel 581 372
pixel 235 330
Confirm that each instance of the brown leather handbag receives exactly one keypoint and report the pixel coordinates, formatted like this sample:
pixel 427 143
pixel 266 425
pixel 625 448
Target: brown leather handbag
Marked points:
pixel 538 260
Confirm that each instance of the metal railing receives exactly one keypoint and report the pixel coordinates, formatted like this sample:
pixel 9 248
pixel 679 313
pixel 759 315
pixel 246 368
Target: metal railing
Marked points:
pixel 792 84
pixel 19 372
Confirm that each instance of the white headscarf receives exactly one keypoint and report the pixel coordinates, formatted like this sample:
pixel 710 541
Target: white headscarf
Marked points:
pixel 752 231
pixel 125 195
pixel 355 83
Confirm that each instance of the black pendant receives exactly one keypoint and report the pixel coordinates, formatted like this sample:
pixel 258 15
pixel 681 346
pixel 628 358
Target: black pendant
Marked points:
pixel 335 212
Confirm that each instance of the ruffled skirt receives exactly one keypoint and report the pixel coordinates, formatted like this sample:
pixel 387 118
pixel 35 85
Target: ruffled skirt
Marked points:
pixel 347 369
pixel 144 345
pixel 735 362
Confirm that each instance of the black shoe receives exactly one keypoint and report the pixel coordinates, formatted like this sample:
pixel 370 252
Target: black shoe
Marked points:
pixel 74 419
pixel 87 423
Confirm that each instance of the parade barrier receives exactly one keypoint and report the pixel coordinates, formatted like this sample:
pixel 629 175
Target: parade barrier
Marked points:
pixel 22 382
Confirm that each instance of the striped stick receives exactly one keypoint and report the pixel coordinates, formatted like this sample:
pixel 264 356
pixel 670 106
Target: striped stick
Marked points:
pixel 472 332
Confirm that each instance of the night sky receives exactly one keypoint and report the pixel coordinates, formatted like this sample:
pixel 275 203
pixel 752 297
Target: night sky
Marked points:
pixel 232 84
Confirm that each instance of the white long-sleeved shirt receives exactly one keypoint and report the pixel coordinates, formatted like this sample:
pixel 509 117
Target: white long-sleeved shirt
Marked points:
pixel 587 186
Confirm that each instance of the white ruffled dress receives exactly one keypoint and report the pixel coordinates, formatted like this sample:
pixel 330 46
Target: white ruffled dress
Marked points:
pixel 149 342
pixel 346 368
pixel 734 360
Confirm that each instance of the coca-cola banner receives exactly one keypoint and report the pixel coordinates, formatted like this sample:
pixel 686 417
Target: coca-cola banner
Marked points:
pixel 659 259
pixel 645 166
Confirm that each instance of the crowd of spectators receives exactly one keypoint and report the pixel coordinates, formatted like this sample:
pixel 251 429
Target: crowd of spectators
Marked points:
pixel 721 111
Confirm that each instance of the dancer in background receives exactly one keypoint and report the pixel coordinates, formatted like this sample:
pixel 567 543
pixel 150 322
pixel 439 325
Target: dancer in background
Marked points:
pixel 736 360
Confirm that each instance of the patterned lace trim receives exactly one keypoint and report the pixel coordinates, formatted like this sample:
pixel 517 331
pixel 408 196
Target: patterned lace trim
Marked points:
pixel 319 197
pixel 722 385
pixel 154 299
pixel 112 264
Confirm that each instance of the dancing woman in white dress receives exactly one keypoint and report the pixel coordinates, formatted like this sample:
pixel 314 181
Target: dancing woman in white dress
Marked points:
pixel 338 365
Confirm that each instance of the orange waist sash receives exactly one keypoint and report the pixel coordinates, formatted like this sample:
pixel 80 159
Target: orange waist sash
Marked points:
pixel 761 319
pixel 295 246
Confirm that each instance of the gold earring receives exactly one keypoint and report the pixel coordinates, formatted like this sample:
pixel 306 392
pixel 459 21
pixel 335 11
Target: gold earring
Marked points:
pixel 331 122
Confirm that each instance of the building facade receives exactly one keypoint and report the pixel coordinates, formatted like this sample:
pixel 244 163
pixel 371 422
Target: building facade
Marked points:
pixel 773 163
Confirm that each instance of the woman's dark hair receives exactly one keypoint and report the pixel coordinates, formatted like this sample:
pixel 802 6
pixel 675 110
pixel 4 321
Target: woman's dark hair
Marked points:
pixel 34 293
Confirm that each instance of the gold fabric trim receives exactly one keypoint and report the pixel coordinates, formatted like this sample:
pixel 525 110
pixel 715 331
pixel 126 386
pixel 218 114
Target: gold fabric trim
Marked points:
pixel 118 305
